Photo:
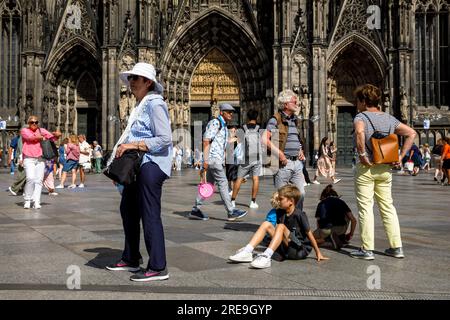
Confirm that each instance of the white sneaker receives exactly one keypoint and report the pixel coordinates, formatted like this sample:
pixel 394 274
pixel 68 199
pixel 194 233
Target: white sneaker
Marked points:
pixel 233 203
pixel 27 205
pixel 81 185
pixel 261 262
pixel 36 205
pixel 52 193
pixel 72 186
pixel 336 180
pixel 254 205
pixel 241 256
pixel 12 192
pixel 59 186
pixel 315 182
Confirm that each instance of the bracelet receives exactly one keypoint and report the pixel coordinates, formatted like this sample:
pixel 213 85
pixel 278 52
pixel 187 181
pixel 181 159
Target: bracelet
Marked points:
pixel 364 154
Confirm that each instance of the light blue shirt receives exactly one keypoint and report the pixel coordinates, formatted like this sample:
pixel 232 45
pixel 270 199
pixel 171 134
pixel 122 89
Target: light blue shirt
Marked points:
pixel 219 140
pixel 153 127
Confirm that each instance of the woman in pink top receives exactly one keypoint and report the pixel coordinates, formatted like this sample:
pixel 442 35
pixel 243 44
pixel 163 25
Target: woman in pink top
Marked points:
pixel 72 159
pixel 33 162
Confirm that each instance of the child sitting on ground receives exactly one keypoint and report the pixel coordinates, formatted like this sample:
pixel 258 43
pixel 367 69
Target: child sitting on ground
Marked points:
pixel 333 218
pixel 272 214
pixel 292 235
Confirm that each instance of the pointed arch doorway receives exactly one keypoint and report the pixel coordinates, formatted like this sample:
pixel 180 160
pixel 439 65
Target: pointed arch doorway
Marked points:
pixel 354 66
pixel 214 81
pixel 87 107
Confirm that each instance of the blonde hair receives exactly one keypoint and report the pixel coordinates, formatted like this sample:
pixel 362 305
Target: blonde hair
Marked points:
pixel 275 201
pixel 290 192
pixel 32 117
pixel 73 139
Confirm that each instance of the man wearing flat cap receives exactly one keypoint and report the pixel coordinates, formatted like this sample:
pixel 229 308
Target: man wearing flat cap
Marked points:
pixel 214 146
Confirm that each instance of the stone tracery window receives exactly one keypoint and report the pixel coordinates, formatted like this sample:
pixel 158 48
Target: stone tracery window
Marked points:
pixel 432 57
pixel 9 53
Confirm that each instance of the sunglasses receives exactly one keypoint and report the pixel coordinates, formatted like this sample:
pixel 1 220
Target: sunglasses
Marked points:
pixel 33 122
pixel 133 77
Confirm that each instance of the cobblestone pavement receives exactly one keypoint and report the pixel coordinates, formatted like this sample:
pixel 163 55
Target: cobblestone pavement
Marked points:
pixel 82 228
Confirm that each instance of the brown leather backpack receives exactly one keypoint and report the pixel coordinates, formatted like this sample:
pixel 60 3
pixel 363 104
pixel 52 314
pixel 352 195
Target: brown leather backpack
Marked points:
pixel 384 146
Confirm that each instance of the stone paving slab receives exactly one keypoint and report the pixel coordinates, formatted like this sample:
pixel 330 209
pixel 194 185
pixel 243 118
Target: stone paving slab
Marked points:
pixel 82 227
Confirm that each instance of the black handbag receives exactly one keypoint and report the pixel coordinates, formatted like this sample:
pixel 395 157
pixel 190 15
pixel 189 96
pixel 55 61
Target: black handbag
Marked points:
pixel 49 150
pixel 124 170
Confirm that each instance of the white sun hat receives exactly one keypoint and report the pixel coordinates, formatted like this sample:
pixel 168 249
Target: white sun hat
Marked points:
pixel 145 70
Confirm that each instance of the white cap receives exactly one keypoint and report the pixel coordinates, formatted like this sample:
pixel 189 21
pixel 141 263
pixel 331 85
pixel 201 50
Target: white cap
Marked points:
pixel 145 70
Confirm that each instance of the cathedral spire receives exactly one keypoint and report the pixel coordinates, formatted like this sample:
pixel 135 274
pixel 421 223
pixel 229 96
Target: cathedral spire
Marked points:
pixel 128 43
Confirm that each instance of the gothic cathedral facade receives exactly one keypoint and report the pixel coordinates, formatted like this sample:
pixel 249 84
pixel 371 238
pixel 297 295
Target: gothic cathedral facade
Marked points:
pixel 60 60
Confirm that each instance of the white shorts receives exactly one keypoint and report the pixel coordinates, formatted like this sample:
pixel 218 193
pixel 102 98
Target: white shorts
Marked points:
pixel 86 165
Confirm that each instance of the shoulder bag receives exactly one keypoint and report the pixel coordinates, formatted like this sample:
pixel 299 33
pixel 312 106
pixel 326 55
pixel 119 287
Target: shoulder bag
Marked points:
pixel 49 150
pixel 125 169
pixel 384 146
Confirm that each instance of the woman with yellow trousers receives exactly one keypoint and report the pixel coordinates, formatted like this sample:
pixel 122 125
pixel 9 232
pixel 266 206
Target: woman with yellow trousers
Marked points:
pixel 374 181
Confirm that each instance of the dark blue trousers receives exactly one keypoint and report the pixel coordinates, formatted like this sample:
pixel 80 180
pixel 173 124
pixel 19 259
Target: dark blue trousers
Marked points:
pixel 142 200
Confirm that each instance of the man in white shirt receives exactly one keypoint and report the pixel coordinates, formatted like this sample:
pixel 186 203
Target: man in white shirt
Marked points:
pixel 85 158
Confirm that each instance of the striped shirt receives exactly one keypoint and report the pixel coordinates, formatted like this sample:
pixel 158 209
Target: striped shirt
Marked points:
pixel 382 121
pixel 153 127
pixel 293 144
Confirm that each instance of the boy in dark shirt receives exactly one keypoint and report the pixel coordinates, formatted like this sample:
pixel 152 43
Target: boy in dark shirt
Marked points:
pixel 292 235
pixel 333 218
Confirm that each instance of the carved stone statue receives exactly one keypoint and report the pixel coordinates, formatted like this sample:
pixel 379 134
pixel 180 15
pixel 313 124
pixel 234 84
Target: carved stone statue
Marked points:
pixel 52 115
pixel 72 114
pixel 304 102
pixel 387 105
pixel 123 107
pixel 215 108
pixel 21 109
pixel 28 105
pixel 404 104
pixel 186 114
pixel 179 112
pixel 171 107
pixel 126 63
pixel 45 116
pixel 147 56
pixel 63 115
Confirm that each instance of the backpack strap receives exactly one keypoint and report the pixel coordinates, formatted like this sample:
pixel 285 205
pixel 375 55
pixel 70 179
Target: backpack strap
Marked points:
pixel 220 128
pixel 371 123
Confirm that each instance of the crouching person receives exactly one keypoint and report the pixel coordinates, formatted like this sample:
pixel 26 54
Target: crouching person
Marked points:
pixel 333 218
pixel 292 236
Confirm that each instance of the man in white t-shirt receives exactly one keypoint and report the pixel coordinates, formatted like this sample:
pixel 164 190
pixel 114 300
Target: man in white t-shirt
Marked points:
pixel 85 158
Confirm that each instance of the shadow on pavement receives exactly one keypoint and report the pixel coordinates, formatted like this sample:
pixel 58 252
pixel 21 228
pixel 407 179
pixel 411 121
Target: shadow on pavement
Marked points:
pixel 105 257
pixel 241 226
pixel 183 214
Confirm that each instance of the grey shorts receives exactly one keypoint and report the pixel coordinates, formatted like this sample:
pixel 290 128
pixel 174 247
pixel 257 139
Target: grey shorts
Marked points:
pixel 253 169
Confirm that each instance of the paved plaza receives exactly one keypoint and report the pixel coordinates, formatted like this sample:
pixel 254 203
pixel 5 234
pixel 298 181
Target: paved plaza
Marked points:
pixel 81 228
